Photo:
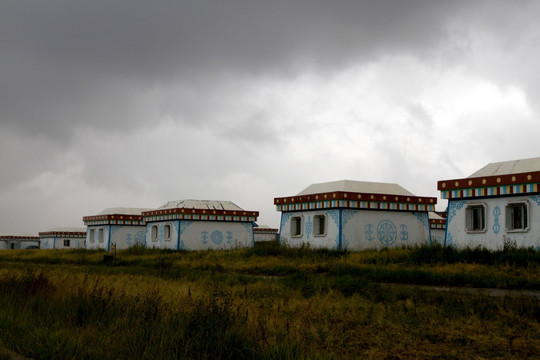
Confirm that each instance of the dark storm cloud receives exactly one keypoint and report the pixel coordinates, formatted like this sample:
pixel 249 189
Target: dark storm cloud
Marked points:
pixel 71 64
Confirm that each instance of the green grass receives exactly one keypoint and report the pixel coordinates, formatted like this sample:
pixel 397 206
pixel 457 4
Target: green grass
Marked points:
pixel 268 302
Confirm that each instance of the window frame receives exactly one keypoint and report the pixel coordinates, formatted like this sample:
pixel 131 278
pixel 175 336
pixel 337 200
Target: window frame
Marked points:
pixel 101 235
pixel 167 232
pixel 299 226
pixel 154 233
pixel 92 236
pixel 317 225
pixel 469 218
pixel 67 242
pixel 510 220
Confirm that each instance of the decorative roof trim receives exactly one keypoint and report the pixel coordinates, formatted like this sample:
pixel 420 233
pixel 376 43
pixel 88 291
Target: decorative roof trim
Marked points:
pixel 265 230
pixel 111 217
pixel 493 191
pixel 201 212
pixel 79 234
pixel 352 196
pixel 353 204
pixel 17 237
pixel 489 181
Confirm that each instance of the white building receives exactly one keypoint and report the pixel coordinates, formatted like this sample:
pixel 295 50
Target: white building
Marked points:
pixel 198 225
pixel 354 215
pixel 497 205
pixel 122 227
pixel 437 226
pixel 265 233
pixel 18 242
pixel 63 238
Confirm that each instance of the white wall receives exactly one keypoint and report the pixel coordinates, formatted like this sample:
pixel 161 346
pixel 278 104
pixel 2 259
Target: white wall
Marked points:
pixel 58 243
pixel 496 232
pixel 123 235
pixel 358 229
pixel 260 237
pixel 200 235
pixel 437 236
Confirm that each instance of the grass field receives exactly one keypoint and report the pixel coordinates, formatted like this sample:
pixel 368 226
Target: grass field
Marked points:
pixel 269 302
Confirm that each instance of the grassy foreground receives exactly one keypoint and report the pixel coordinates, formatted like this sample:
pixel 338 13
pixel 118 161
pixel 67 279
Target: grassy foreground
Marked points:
pixel 269 302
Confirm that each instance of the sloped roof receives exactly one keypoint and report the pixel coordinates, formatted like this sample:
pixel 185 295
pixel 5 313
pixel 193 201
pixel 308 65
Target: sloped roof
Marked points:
pixel 434 216
pixel 356 187
pixel 509 167
pixel 67 229
pixel 201 204
pixel 123 211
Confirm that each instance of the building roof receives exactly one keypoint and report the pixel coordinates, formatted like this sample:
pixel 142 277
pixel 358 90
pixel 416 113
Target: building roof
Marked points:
pixel 209 210
pixel 355 195
pixel 19 237
pixel 509 167
pixel 201 204
pixel 495 179
pixel 355 187
pixel 64 232
pixel 117 216
pixel 123 211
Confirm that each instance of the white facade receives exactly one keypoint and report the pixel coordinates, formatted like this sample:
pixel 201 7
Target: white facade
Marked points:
pixel 497 227
pixel 497 206
pixel 121 227
pixel 11 242
pixel 437 225
pixel 199 225
pixel 264 233
pixel 354 215
pixel 63 238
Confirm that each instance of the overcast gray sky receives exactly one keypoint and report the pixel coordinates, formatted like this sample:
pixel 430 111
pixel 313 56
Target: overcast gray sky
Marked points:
pixel 112 103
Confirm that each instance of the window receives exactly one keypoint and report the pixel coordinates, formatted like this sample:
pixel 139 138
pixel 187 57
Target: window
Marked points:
pixel 296 226
pixel 92 236
pixel 517 216
pixel 319 225
pixel 476 218
pixel 154 233
pixel 167 232
pixel 100 236
pixel 66 243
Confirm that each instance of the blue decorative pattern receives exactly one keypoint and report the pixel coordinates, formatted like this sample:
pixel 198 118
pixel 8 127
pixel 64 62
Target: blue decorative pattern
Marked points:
pixel 424 219
pixel 536 199
pixel 335 216
pixel 453 208
pixel 404 232
pixel 160 233
pixel 284 218
pixel 369 232
pixel 309 226
pixel 229 237
pixel 204 237
pixel 496 226
pixel 217 237
pixel 140 237
pixel 386 232
pixel 347 215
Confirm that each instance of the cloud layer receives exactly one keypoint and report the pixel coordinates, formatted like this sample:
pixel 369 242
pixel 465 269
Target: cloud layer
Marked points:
pixel 117 103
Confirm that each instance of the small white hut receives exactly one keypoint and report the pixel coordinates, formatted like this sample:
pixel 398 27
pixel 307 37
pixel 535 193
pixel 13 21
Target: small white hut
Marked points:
pixel 265 233
pixel 496 206
pixel 121 227
pixel 18 242
pixel 63 238
pixel 354 215
pixel 199 225
pixel 437 226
